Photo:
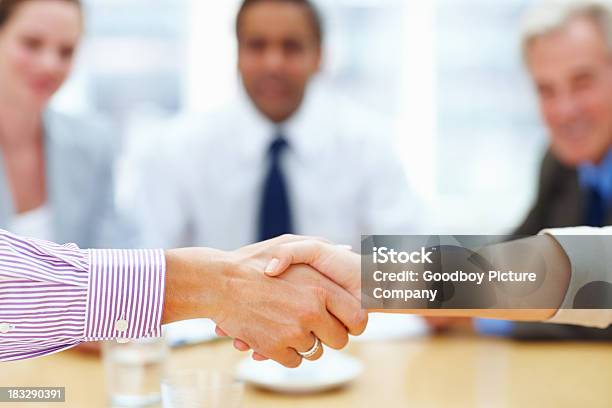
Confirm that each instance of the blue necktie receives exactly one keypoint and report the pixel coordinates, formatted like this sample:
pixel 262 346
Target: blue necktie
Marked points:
pixel 275 211
pixel 596 209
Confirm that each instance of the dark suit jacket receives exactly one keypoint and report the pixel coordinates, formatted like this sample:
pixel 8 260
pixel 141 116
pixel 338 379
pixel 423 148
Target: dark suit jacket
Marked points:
pixel 560 203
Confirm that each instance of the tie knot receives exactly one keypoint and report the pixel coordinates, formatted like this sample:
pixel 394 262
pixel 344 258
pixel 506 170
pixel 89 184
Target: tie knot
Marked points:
pixel 278 146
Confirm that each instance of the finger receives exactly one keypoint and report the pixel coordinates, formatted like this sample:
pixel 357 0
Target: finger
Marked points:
pixel 297 238
pixel 347 310
pixel 344 306
pixel 219 331
pixel 296 252
pixel 259 357
pixel 333 261
pixel 266 248
pixel 330 331
pixel 275 251
pixel 284 355
pixel 288 238
pixel 241 345
pixel 289 358
pixel 317 355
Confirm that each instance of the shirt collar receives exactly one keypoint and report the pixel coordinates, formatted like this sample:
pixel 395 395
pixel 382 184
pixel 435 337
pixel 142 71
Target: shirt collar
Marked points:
pixel 302 130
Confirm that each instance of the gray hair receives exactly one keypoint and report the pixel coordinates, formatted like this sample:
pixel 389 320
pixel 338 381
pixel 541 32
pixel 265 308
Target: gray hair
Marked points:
pixel 548 16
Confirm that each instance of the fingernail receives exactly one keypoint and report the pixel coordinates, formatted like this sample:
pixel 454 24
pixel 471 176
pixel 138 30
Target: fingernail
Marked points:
pixel 272 265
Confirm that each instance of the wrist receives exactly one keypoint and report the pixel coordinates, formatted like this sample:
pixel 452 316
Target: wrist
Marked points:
pixel 196 284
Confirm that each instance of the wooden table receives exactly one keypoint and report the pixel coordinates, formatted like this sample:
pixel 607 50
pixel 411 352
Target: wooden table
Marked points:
pixel 424 372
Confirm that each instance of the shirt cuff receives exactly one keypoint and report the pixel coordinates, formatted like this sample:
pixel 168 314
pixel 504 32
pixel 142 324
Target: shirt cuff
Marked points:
pixel 125 294
pixel 590 259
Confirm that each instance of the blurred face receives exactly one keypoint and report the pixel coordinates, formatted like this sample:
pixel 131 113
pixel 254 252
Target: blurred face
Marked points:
pixel 572 70
pixel 37 46
pixel 278 55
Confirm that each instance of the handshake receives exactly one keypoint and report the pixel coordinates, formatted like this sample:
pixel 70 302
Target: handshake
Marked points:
pixel 283 298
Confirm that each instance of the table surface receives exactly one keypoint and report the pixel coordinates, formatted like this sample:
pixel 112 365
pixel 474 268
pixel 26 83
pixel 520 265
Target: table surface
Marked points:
pixel 424 372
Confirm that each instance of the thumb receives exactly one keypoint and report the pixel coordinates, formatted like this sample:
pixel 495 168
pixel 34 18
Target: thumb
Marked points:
pixel 336 262
pixel 307 252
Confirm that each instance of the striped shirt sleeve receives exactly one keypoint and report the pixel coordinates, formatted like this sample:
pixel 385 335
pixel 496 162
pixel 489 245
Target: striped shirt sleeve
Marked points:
pixel 53 297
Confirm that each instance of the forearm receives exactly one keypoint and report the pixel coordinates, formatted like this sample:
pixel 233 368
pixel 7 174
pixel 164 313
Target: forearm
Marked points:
pixel 53 296
pixel 579 285
pixel 194 290
pixel 541 256
pixel 537 298
pixel 101 294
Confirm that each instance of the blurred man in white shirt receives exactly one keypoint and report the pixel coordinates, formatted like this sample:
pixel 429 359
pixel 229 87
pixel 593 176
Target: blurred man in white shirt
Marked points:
pixel 286 157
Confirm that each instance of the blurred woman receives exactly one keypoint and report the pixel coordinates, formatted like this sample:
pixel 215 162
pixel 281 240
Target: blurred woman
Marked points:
pixel 56 179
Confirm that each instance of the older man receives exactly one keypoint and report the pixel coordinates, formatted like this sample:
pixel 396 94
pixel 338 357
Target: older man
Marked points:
pixel 567 50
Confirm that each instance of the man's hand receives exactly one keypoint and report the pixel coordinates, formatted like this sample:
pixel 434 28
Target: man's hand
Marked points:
pixel 276 317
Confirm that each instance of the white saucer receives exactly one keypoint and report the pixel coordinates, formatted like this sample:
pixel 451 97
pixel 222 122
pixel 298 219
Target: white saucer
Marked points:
pixel 333 370
pixel 189 332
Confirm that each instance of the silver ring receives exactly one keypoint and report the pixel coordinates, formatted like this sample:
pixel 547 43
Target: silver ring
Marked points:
pixel 313 350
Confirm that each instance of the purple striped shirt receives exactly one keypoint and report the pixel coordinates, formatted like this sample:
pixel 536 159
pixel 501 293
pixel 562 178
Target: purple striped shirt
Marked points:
pixel 53 297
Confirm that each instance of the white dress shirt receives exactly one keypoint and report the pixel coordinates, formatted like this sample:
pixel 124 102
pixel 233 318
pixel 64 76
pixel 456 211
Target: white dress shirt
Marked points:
pixel 199 180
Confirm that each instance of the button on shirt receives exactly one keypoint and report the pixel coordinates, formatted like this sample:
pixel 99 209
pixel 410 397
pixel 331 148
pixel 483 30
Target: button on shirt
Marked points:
pixel 53 297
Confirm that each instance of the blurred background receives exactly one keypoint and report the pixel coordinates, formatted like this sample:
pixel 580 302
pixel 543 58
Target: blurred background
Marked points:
pixel 447 74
